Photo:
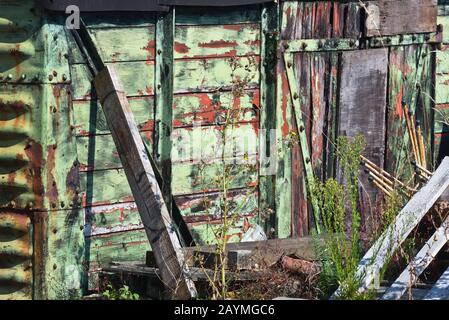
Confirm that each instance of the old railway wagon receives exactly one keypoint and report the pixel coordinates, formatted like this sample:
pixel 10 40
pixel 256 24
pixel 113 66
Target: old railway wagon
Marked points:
pixel 311 70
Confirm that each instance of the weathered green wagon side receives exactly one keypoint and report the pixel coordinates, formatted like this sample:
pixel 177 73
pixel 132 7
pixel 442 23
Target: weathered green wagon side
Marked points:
pixel 66 207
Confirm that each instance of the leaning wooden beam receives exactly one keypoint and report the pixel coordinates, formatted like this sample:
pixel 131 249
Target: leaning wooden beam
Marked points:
pixel 422 260
pixel 405 222
pixel 440 291
pixel 141 177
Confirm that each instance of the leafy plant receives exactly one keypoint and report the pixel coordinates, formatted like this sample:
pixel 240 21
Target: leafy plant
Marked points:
pixel 339 250
pixel 123 293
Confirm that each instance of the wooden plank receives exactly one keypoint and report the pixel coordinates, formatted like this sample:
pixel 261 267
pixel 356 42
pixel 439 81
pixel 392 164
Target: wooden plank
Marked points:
pixel 211 108
pixel 402 77
pixel 146 191
pixel 216 41
pixel 375 258
pixel 362 108
pixel 102 187
pixel 206 16
pixel 205 144
pixel 390 17
pixel 203 207
pixel 303 141
pixel 137 76
pixel 200 75
pixel 422 260
pixel 440 291
pixel 164 78
pixel 198 274
pixel 98 152
pixel 267 103
pixel 125 44
pixel 89 118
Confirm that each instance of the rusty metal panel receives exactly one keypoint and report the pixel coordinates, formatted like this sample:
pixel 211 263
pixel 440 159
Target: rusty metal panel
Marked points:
pixel 38 167
pixel 16 250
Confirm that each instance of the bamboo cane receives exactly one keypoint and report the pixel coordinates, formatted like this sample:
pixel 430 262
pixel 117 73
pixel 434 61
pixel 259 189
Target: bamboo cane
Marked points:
pixel 381 188
pixel 381 182
pixel 412 134
pixel 422 150
pixel 421 168
pixel 387 174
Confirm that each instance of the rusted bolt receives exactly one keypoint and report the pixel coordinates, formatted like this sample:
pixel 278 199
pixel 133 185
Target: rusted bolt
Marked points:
pixel 66 55
pixel 9 77
pixel 401 38
pixel 81 228
pixel 286 46
pixel 55 267
pixel 55 37
pixel 307 160
pixel 36 78
pixel 159 86
pixel 12 204
pixel 64 77
pixel 62 204
pixel 55 231
pixel 414 37
pixel 388 40
pixel 30 205
pixel 295 96
pixel 23 76
pixel 427 37
pixel 159 51
pixel 351 43
pixel 289 64
pixel 50 77
pixel 320 44
pixel 53 205
pixel 304 46
pixel 440 28
pixel 301 128
pixel 75 163
pixel 55 73
pixel 53 109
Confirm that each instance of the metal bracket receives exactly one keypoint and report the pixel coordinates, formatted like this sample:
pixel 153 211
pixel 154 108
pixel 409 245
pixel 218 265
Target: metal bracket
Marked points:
pixel 435 38
pixel 291 78
pixel 315 45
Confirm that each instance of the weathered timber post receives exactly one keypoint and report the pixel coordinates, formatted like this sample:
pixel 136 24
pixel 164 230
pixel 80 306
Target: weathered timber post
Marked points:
pixel 142 180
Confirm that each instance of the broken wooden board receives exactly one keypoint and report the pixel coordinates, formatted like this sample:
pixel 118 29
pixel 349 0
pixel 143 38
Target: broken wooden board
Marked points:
pixel 197 274
pixel 362 111
pixel 376 257
pixel 422 260
pixel 390 17
pixel 145 188
pixel 263 253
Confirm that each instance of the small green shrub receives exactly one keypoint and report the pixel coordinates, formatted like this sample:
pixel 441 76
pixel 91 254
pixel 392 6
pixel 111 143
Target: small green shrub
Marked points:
pixel 123 293
pixel 339 251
